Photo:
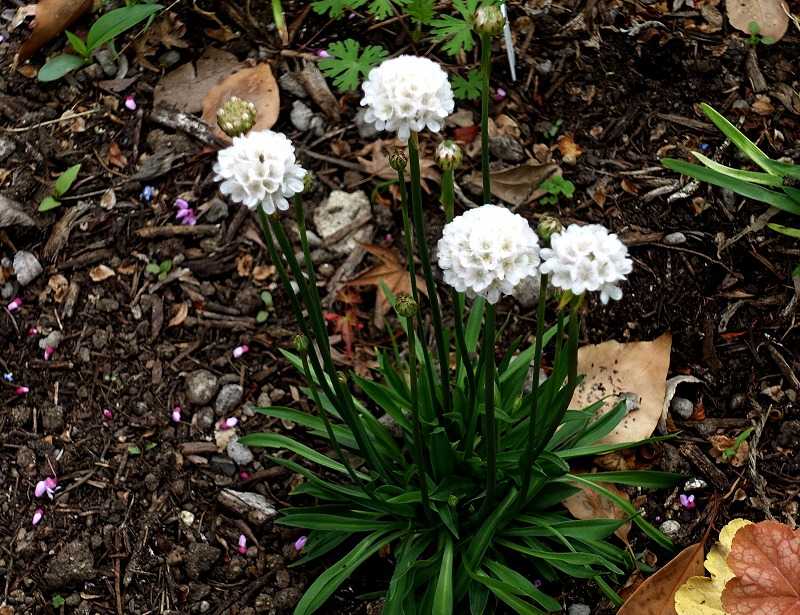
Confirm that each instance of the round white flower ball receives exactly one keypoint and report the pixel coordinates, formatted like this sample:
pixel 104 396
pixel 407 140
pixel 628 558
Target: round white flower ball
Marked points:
pixel 587 258
pixel 260 169
pixel 488 251
pixel 406 94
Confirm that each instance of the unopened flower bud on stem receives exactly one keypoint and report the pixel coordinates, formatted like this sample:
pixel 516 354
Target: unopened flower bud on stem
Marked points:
pixel 406 306
pixel 236 116
pixel 398 160
pixel 489 20
pixel 549 226
pixel 449 155
pixel 301 344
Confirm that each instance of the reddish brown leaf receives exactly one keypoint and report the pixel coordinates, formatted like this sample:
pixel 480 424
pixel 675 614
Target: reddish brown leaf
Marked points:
pixel 569 149
pixel 588 504
pixel 256 85
pixel 391 271
pixel 52 18
pixel 765 557
pixel 656 596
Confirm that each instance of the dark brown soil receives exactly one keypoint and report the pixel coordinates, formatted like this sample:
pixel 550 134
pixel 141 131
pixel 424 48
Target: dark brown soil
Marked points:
pixel 113 540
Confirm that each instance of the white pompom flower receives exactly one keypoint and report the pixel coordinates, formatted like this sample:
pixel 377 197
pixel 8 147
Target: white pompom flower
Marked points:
pixel 587 258
pixel 488 251
pixel 260 169
pixel 406 94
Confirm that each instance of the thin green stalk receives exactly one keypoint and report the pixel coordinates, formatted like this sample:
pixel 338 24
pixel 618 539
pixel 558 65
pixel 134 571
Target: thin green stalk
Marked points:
pixel 280 21
pixel 419 440
pixel 486 71
pixel 447 197
pixel 424 255
pixel 526 462
pixel 490 422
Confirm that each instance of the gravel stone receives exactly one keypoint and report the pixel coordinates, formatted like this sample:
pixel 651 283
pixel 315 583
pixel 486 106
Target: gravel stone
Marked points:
pixel 200 559
pixel 579 609
pixel 73 564
pixel 681 406
pixel 26 267
pixel 229 398
pixel 239 453
pixel 201 386
pixel 671 528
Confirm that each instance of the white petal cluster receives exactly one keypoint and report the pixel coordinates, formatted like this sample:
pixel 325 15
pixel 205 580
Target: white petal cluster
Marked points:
pixel 260 168
pixel 406 94
pixel 487 251
pixel 587 258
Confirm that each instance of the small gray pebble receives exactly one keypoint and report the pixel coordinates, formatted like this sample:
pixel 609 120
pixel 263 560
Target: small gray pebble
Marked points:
pixel 674 239
pixel 681 406
pixel 695 484
pixel 26 267
pixel 671 528
pixel 579 609
pixel 228 399
pixel 239 453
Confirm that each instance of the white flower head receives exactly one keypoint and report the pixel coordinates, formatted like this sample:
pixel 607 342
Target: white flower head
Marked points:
pixel 260 169
pixel 406 94
pixel 587 258
pixel 488 251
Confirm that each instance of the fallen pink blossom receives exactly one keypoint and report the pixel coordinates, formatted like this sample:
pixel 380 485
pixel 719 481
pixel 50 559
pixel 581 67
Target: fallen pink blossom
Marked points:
pixel 228 423
pixel 242 544
pixel 48 352
pixel 108 414
pixel 176 414
pixel 300 543
pixel 23 390
pixel 240 350
pixel 15 304
pixel 130 103
pixel 37 516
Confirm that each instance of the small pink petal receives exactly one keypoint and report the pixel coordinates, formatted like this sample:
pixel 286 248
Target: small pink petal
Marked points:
pixel 108 414
pixel 244 475
pixel 15 304
pixel 33 331
pixel 240 350
pixel 37 516
pixel 323 54
pixel 22 390
pixel 41 489
pixel 130 103
pixel 48 352
pixel 242 544
pixel 51 482
pixel 499 94
pixel 300 543
pixel 228 423
pixel 182 204
pixel 176 414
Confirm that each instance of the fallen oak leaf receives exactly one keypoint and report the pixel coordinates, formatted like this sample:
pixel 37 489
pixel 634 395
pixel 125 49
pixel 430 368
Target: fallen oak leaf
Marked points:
pixel 701 595
pixel 392 272
pixel 52 17
pixel 569 149
pixel 179 314
pixel 101 272
pixel 765 557
pixel 517 185
pixel 375 161
pixel 771 17
pixel 656 595
pixel 612 369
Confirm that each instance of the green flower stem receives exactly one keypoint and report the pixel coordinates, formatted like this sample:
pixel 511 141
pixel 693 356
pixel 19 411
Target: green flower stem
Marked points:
pixel 526 462
pixel 419 439
pixel 280 21
pixel 447 198
pixel 490 424
pixel 412 272
pixel 486 71
pixel 424 255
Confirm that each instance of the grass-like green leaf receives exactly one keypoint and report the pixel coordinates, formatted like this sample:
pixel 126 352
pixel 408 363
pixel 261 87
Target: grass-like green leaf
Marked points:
pixel 335 523
pixel 786 230
pixel 754 177
pixel 65 180
pixel 443 594
pixel 58 66
pixel 273 440
pixel 117 21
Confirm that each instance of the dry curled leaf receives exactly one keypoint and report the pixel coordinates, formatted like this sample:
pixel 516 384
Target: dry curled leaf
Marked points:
pixel 771 17
pixel 60 287
pixel 701 595
pixel 101 272
pixel 765 557
pixel 588 504
pixel 656 596
pixel 517 185
pixel 256 85
pixel 612 369
pixel 721 443
pixel 179 314
pixel 52 17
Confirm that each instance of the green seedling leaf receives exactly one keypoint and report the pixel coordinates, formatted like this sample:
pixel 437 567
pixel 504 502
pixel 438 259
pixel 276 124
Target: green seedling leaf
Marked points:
pixel 65 181
pixel 469 88
pixel 153 268
pixel 77 44
pixel 115 22
pixel 728 453
pixel 262 317
pixel 165 266
pixel 49 203
pixel 58 601
pixel 349 64
pixel 57 67
pixel 381 9
pixel 335 8
pixel 134 450
pixel 421 11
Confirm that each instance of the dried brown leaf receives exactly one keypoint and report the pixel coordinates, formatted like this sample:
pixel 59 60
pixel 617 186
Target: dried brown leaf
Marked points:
pixel 588 504
pixel 60 287
pixel 256 85
pixel 391 271
pixel 611 369
pixel 765 557
pixel 517 185
pixel 186 87
pixel 179 314
pixel 771 16
pixel 101 272
pixel 656 596
pixel 568 148
pixel 52 18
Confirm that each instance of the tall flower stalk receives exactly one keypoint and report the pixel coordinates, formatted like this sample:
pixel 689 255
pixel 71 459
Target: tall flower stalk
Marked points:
pixel 465 479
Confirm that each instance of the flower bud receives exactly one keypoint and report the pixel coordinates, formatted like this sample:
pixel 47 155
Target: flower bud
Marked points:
pixel 236 116
pixel 308 182
pixel 549 226
pixel 301 344
pixel 406 306
pixel 398 160
pixel 341 377
pixel 489 20
pixel 449 155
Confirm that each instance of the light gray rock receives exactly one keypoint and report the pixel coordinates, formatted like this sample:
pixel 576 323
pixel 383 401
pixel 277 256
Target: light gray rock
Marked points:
pixel 337 214
pixel 527 291
pixel 201 386
pixel 671 528
pixel 579 609
pixel 254 506
pixel 239 453
pixel 674 239
pixel 7 147
pixel 681 406
pixel 26 267
pixel 73 564
pixel 366 130
pixel 301 115
pixel 229 398
pixel 53 340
